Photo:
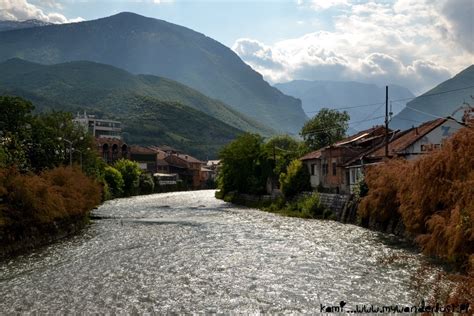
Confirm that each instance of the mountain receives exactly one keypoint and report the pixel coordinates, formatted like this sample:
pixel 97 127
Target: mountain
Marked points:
pixel 143 45
pixel 87 83
pixel 341 94
pixel 154 110
pixel 443 100
pixel 15 25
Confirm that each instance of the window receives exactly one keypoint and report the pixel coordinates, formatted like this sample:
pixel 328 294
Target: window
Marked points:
pixel 312 169
pixel 325 169
pixel 334 169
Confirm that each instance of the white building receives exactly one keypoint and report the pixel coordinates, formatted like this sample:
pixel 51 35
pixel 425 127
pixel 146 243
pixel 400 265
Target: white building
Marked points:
pixel 100 127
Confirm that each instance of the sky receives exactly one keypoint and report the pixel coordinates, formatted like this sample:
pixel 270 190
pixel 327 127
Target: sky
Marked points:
pixel 413 43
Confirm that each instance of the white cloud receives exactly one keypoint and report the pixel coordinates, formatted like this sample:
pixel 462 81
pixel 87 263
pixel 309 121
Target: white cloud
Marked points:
pixel 460 17
pixel 19 10
pixel 319 5
pixel 409 42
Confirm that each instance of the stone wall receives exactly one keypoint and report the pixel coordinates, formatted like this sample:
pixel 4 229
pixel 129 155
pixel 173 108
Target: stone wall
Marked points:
pixel 17 239
pixel 334 202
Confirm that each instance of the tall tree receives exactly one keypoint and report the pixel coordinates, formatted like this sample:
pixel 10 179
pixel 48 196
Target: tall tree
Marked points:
pixel 15 130
pixel 326 128
pixel 245 165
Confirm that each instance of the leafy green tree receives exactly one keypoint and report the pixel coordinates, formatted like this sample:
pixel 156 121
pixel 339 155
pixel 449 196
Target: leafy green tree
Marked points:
pixel 131 175
pixel 245 165
pixel 49 147
pixel 147 185
pixel 296 180
pixel 326 128
pixel 114 181
pixel 283 149
pixel 15 130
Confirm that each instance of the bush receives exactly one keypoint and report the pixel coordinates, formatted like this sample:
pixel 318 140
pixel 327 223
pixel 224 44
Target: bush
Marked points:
pixel 311 206
pixel 131 175
pixel 54 194
pixel 296 180
pixel 304 207
pixel 114 181
pixel 147 185
pixel 433 196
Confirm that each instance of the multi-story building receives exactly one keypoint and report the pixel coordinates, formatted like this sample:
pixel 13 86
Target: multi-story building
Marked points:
pixel 100 127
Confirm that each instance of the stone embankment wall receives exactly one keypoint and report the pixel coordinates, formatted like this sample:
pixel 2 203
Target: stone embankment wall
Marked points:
pixel 17 239
pixel 344 207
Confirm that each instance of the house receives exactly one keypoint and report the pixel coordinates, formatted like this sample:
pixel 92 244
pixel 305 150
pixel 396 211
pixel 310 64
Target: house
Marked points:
pixel 409 144
pixel 326 165
pixel 145 157
pixel 112 149
pixel 187 167
pixel 313 162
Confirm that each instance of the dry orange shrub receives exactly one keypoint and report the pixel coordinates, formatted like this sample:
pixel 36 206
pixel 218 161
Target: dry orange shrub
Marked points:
pixel 54 194
pixel 434 195
pixel 382 202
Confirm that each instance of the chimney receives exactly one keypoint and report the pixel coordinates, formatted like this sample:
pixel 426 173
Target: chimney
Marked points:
pixel 416 130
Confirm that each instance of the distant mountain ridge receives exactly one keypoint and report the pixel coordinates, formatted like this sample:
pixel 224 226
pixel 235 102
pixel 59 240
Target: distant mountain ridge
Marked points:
pixel 143 45
pixel 441 101
pixel 343 94
pixel 154 110
pixel 16 25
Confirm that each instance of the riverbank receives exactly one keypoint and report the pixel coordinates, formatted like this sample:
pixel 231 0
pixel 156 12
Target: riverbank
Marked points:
pixel 37 209
pixel 188 253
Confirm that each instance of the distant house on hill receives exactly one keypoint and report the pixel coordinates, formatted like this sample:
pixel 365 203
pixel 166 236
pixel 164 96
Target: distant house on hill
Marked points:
pixel 339 167
pixel 100 127
pixel 149 159
pixel 188 168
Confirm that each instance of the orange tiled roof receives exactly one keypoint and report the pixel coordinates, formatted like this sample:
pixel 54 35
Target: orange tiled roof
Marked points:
pixel 360 135
pixel 136 149
pixel 405 139
pixel 313 155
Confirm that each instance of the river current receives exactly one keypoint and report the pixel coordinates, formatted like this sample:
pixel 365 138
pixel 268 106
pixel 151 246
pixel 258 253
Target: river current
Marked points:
pixel 189 252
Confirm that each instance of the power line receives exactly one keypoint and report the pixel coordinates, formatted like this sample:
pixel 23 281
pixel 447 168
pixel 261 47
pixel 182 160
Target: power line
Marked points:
pixel 337 127
pixel 437 93
pixel 396 100
pixel 422 112
pixel 349 107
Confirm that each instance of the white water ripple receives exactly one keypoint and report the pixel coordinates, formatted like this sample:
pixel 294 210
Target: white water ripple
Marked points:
pixel 188 252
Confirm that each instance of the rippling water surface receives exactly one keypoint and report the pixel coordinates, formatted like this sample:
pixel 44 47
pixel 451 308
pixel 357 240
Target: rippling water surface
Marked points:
pixel 188 252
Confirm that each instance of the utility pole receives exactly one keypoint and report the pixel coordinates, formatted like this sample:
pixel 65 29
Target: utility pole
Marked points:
pixel 386 121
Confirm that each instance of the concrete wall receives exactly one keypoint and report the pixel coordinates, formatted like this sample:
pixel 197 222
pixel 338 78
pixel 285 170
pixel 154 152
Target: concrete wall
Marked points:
pixel 434 139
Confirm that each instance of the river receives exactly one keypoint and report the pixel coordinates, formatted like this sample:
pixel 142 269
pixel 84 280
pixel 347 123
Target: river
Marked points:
pixel 189 252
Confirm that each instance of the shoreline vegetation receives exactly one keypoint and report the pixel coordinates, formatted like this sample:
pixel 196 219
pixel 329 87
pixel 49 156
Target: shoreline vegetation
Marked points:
pixel 51 177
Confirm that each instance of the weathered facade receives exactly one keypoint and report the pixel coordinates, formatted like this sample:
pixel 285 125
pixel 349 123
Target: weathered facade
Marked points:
pixel 409 144
pixel 327 165
pixel 112 149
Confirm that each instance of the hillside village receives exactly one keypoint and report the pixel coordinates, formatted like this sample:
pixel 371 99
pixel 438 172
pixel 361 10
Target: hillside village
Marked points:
pixel 339 168
pixel 236 170
pixel 169 166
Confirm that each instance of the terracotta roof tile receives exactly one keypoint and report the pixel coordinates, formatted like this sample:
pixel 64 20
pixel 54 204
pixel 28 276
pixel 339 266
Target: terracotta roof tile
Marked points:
pixel 405 139
pixel 313 155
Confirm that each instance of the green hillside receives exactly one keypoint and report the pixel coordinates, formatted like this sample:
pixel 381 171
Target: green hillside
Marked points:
pixel 85 83
pixel 154 110
pixel 143 45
